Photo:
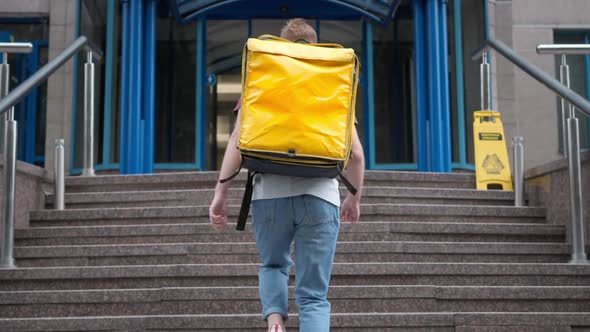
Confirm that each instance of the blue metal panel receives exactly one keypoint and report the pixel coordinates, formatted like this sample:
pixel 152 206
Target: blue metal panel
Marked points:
pixel 458 22
pixel 463 166
pixel 5 37
pixel 446 145
pixel 422 140
pixel 31 109
pixel 74 92
pixel 380 12
pixel 201 125
pixel 141 150
pixel 177 166
pixel 39 159
pixel 125 64
pixel 369 93
pixel 149 88
pixel 19 70
pixel 135 86
pixel 395 167
pixel 108 83
pixel 434 74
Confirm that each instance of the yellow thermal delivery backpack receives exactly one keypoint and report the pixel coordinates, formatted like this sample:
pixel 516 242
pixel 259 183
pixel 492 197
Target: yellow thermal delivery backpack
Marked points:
pixel 298 110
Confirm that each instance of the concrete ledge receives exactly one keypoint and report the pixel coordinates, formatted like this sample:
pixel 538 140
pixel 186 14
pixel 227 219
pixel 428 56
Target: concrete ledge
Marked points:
pixel 31 184
pixel 554 166
pixel 548 186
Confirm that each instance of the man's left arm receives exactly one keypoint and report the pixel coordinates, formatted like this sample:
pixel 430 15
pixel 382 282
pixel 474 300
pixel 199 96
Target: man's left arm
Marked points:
pixel 355 173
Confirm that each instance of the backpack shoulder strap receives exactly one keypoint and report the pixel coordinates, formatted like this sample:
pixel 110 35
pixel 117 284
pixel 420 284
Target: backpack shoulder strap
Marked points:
pixel 246 202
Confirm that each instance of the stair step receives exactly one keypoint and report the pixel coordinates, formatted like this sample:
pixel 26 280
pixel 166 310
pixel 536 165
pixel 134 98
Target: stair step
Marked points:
pixel 371 195
pixel 369 212
pixel 232 300
pixel 364 231
pixel 203 253
pixel 188 275
pixel 420 321
pixel 202 180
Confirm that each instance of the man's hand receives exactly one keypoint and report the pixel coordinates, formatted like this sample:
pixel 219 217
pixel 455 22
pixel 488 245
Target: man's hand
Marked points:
pixel 218 212
pixel 350 209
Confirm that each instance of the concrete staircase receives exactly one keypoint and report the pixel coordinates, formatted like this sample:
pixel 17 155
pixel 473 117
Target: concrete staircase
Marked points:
pixel 134 253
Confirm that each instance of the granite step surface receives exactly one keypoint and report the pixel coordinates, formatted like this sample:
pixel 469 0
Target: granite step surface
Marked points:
pixel 363 231
pixel 418 321
pixel 246 252
pixel 205 180
pixel 369 212
pixel 210 275
pixel 371 195
pixel 244 300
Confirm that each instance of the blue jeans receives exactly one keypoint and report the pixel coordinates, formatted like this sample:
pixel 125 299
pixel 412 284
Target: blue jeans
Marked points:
pixel 312 224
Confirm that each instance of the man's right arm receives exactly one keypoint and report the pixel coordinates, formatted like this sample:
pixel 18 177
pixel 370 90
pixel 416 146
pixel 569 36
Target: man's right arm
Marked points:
pixel 230 164
pixel 231 159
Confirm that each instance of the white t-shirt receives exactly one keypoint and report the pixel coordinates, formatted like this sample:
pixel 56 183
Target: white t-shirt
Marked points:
pixel 268 186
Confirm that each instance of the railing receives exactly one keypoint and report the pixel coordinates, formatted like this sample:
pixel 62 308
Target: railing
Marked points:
pixel 571 145
pixel 9 135
pixel 6 106
pixel 575 178
pixel 567 111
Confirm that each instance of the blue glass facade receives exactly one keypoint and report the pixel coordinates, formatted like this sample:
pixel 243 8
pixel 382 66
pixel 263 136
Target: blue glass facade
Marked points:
pixel 169 64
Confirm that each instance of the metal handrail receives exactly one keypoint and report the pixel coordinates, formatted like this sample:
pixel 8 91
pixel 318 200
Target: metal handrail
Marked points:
pixel 16 48
pixel 542 77
pixel 7 103
pixel 563 49
pixel 572 146
pixel 578 255
pixel 21 91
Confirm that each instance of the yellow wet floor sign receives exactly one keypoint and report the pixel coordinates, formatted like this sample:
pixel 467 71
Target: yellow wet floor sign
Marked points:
pixel 492 167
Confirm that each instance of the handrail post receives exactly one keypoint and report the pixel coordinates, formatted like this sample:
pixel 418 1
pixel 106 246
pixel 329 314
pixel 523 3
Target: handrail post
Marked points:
pixel 4 88
pixel 59 183
pixel 575 177
pixel 564 78
pixel 88 117
pixel 7 230
pixel 9 136
pixel 518 171
pixel 485 81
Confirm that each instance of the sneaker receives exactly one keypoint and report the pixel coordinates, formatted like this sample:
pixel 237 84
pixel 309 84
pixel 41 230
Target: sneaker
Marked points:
pixel 276 328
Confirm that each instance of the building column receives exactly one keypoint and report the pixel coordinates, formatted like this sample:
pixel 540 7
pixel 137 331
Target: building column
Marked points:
pixel 201 101
pixel 421 69
pixel 369 94
pixel 138 87
pixel 149 97
pixel 432 80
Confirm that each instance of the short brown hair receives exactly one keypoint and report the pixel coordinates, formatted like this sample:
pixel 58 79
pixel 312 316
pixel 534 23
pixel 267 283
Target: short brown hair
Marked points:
pixel 296 29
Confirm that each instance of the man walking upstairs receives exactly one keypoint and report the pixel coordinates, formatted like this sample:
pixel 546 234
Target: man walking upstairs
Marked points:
pixel 287 209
